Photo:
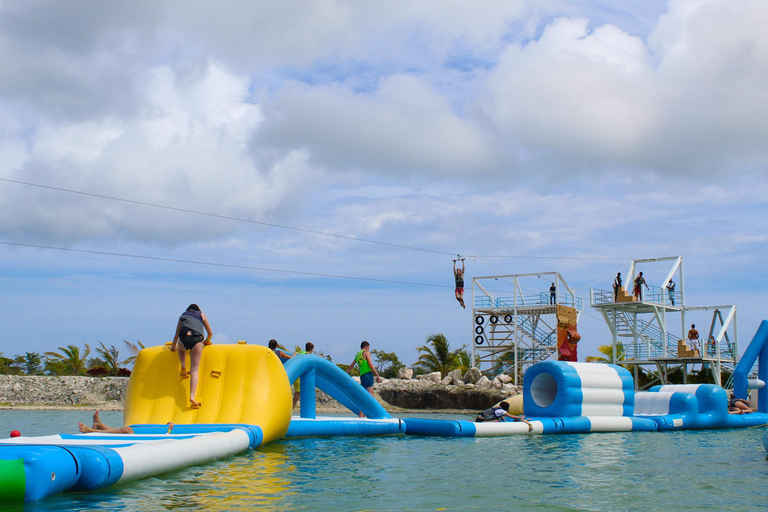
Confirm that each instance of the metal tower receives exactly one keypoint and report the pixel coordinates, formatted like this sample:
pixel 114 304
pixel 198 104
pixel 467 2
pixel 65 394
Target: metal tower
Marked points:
pixel 515 320
pixel 642 334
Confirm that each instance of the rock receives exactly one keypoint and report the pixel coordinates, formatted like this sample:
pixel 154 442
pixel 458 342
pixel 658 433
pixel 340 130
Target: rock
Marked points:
pixel 496 383
pixel 459 383
pixel 504 378
pixel 437 397
pixel 446 381
pixel 405 373
pixel 69 390
pixel 435 377
pixel 483 383
pixel 455 376
pixel 472 376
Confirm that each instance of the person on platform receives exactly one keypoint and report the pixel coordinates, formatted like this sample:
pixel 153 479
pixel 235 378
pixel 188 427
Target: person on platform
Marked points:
pixel 366 367
pixel 693 338
pixel 671 291
pixel 616 286
pixel 189 331
pixel 639 282
pixel 500 413
pixel 279 352
pixel 553 294
pixel 98 426
pixel 738 405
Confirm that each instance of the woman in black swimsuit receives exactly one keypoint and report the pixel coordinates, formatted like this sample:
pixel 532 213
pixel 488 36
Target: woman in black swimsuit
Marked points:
pixel 189 331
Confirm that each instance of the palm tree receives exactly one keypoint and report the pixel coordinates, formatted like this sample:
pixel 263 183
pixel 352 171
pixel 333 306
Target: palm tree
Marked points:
pixel 607 351
pixel 110 358
pixel 70 359
pixel 441 359
pixel 134 349
pixel 464 358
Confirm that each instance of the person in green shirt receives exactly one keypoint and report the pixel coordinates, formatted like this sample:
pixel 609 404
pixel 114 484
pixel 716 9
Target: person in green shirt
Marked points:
pixel 365 365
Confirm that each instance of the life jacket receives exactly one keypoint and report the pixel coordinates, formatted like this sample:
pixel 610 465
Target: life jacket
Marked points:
pixel 362 363
pixel 191 320
pixel 490 414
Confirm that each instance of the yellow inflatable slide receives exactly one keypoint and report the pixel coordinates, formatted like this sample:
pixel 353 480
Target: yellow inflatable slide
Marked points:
pixel 238 384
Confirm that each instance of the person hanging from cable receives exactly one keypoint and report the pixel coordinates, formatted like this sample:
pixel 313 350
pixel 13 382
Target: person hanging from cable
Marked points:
pixel 458 274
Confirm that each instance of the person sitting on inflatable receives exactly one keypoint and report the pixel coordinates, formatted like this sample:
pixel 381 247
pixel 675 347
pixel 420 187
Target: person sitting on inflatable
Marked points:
pixel 500 413
pixel 738 405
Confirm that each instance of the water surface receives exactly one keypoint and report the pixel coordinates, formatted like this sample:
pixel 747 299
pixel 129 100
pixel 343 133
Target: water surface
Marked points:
pixel 710 470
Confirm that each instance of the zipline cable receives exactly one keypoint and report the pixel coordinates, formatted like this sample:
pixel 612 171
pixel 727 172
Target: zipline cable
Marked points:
pixel 225 265
pixel 301 230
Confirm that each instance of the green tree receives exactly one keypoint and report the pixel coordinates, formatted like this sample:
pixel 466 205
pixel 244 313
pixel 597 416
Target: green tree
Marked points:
pixel 464 359
pixel 33 363
pixel 110 357
pixel 69 361
pixel 387 363
pixel 438 357
pixel 133 349
pixel 8 366
pixel 607 351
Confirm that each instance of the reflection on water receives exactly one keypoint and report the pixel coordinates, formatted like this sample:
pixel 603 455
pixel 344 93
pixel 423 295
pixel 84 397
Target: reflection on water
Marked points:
pixel 610 471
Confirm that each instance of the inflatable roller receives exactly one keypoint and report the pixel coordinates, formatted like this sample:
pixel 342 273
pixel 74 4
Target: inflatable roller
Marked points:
pixel 567 389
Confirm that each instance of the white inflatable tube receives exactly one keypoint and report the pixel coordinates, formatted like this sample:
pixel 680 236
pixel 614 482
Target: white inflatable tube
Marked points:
pixel 155 457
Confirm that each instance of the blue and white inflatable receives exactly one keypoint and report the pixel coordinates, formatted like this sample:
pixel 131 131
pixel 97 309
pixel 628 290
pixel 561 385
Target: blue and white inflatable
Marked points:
pixel 564 398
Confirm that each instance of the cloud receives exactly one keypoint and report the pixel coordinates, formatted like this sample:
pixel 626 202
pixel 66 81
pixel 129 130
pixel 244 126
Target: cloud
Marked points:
pixel 690 100
pixel 404 127
pixel 186 147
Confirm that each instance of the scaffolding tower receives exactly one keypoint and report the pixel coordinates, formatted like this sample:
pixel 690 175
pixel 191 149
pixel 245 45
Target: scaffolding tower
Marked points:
pixel 516 328
pixel 643 326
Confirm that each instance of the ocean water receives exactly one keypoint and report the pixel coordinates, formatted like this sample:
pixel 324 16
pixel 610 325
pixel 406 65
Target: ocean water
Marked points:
pixel 710 470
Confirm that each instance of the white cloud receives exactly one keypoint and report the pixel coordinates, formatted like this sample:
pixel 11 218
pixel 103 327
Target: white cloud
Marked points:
pixel 404 127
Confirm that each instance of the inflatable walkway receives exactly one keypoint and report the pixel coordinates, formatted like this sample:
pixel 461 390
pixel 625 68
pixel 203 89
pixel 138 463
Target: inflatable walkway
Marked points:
pixel 567 398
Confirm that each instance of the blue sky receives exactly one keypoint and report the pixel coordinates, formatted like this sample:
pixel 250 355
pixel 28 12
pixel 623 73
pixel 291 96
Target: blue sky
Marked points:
pixel 150 153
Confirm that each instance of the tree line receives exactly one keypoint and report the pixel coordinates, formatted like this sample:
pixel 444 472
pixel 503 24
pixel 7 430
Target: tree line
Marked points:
pixel 72 360
pixel 435 356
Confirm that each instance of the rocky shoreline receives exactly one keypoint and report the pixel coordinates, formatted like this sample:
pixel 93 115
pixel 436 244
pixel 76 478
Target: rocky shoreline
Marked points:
pixel 469 391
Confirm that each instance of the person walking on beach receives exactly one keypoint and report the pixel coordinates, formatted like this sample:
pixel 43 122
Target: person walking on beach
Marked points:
pixel 458 275
pixel 367 369
pixel 616 286
pixel 639 282
pixel 189 331
pixel 671 291
pixel 500 413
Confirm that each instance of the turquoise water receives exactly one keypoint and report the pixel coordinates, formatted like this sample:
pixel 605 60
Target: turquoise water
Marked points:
pixel 712 470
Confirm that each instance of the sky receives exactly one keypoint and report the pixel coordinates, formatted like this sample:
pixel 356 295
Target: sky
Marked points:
pixel 307 170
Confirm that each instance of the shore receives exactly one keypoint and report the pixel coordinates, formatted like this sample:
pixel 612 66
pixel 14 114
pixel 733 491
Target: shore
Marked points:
pixel 108 394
